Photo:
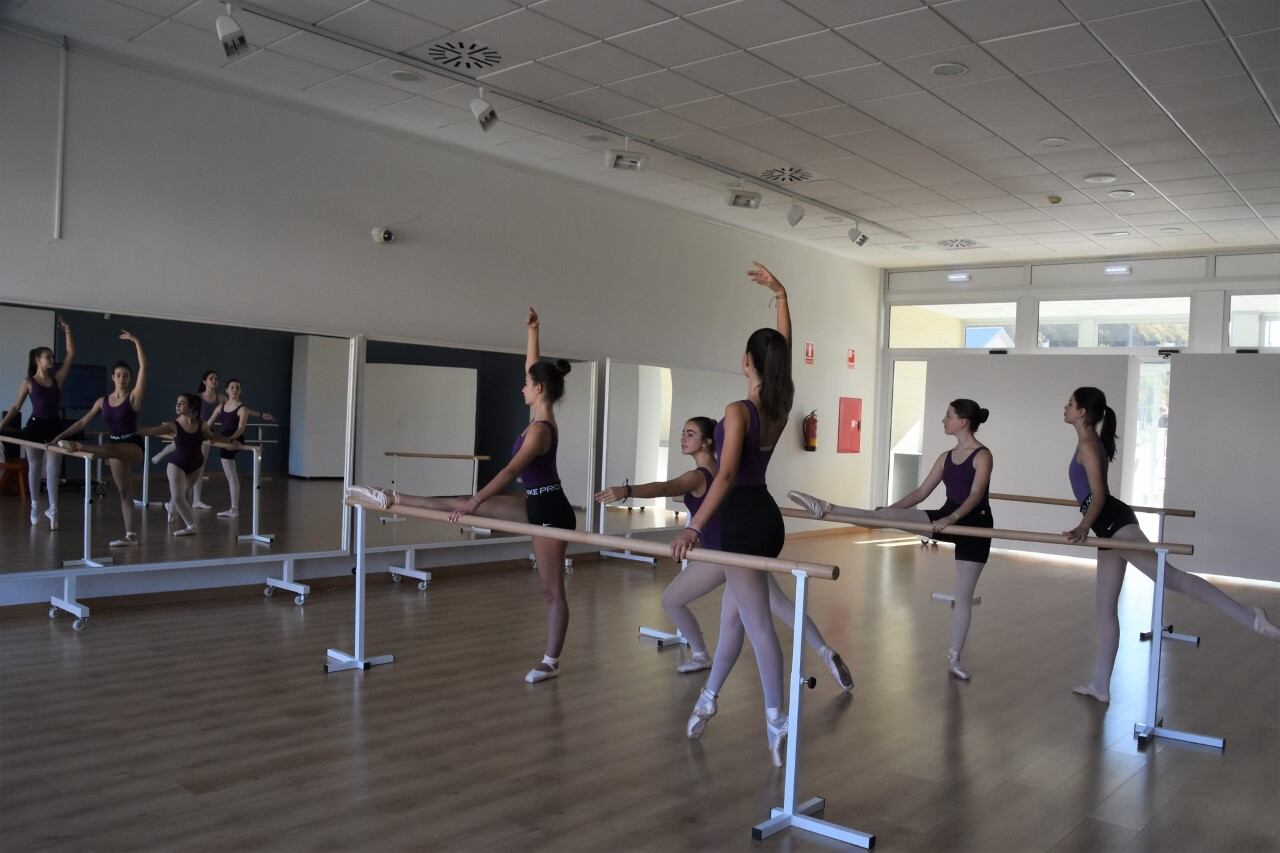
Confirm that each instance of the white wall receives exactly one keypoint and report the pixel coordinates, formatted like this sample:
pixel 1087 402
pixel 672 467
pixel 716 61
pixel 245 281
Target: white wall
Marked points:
pixel 573 422
pixel 318 399
pixel 1224 462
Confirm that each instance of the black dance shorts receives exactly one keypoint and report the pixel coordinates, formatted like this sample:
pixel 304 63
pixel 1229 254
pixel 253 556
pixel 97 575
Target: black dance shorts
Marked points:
pixel 751 523
pixel 547 506
pixel 1115 515
pixel 132 438
pixel 971 549
pixel 41 430
pixel 223 453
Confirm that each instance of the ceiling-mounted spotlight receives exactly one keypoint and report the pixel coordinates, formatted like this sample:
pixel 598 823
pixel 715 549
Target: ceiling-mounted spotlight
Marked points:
pixel 856 235
pixel 794 215
pixel 624 158
pixel 230 34
pixel 484 112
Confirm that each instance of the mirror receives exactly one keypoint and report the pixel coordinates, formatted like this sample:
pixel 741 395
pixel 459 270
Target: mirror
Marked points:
pixel 440 421
pixel 293 388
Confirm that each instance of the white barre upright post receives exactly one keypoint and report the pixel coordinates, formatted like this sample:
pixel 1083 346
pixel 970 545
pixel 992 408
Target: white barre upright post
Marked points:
pixel 339 660
pixel 475 487
pixel 87 560
pixel 1167 633
pixel 145 502
pixel 789 815
pixel 394 516
pixel 255 535
pixel 666 638
pixel 1152 727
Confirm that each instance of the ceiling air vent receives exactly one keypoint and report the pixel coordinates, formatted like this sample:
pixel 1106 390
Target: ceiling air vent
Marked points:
pixel 457 54
pixel 786 175
pixel 959 243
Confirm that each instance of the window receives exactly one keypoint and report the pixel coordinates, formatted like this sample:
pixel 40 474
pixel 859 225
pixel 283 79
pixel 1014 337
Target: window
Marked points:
pixel 976 325
pixel 1255 320
pixel 1129 323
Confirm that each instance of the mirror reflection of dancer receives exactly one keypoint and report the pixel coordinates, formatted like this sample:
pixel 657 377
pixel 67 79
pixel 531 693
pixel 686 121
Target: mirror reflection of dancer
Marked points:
pixel 1111 518
pixel 697 579
pixel 123 448
pixel 189 433
pixel 750 521
pixel 231 416
pixel 965 470
pixel 44 386
pixel 533 460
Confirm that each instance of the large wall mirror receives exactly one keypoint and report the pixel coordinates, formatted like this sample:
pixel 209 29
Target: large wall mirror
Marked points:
pixel 294 388
pixel 438 421
pixel 646 407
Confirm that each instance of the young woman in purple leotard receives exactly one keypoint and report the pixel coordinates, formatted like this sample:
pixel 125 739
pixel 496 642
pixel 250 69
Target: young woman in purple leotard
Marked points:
pixel 533 461
pixel 123 448
pixel 1111 518
pixel 965 470
pixel 44 386
pixel 189 434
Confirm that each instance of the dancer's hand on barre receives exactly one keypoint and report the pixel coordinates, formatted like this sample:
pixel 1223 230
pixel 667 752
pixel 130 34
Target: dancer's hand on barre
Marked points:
pixel 468 508
pixel 685 542
pixel 532 320
pixel 760 274
pixel 611 494
pixel 945 521
pixel 1076 535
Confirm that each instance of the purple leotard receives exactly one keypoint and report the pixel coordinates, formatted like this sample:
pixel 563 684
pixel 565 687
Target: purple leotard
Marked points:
pixel 122 420
pixel 710 537
pixel 228 421
pixel 44 399
pixel 187 453
pixel 958 478
pixel 206 408
pixel 750 522
pixel 1080 478
pixel 754 461
pixel 541 470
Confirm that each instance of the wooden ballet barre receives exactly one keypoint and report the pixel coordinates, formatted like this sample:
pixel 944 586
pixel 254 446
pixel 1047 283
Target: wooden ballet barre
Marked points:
pixel 412 455
pixel 1000 496
pixel 51 448
pixel 996 533
pixel 656 549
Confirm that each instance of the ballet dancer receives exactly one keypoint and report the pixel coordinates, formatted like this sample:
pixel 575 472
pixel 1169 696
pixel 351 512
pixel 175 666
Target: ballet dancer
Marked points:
pixel 1111 518
pixel 231 417
pixel 43 385
pixel 189 433
pixel 697 579
pixel 124 445
pixel 965 470
pixel 750 521
pixel 533 461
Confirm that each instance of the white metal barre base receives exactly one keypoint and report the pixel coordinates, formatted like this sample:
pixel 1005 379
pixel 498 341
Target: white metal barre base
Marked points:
pixel 1152 727
pixel 788 815
pixel 337 660
pixel 951 599
pixel 408 570
pixel 627 555
pixel 69 604
pixel 255 535
pixel 1169 634
pixel 145 502
pixel 88 561
pixel 286 581
pixel 665 638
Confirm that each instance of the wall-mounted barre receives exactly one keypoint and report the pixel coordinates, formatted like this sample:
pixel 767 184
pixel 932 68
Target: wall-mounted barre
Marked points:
pixel 789 814
pixel 1001 496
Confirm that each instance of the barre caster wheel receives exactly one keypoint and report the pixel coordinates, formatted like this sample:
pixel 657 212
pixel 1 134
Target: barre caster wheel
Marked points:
pixel 269 591
pixel 422 585
pixel 395 578
pixel 299 600
pixel 568 566
pixel 80 623
pixel 53 612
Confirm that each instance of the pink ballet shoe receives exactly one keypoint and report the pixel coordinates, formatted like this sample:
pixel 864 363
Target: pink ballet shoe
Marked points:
pixel 777 733
pixel 815 506
pixel 1263 625
pixel 1088 690
pixel 381 498
pixel 957 671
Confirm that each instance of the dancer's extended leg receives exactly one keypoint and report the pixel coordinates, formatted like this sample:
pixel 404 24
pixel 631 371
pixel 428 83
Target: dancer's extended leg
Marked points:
pixel 233 485
pixel 696 580
pixel 505 507
pixel 1106 601
pixel 178 499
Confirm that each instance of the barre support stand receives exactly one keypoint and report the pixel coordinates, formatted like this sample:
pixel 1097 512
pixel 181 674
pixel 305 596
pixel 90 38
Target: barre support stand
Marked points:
pixel 665 638
pixel 337 660
pixel 408 570
pixel 255 535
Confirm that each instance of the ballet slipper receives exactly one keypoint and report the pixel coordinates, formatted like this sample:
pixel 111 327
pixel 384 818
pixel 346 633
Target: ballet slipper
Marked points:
pixel 52 514
pixel 535 675
pixel 697 662
pixel 185 531
pixel 776 729
pixel 815 506
pixel 956 670
pixel 836 666
pixel 1090 691
pixel 201 505
pixel 73 446
pixel 703 710
pixel 381 498
pixel 229 513
pixel 1264 626
pixel 130 538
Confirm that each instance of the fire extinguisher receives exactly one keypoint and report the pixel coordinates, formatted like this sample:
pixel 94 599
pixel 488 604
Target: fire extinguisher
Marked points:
pixel 810 427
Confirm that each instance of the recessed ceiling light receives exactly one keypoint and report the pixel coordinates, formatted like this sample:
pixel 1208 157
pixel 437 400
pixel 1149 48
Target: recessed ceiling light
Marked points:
pixel 1121 194
pixel 404 75
pixel 950 69
pixel 598 137
pixel 834 218
pixel 1054 142
pixel 1171 230
pixel 1100 178
pixel 1111 234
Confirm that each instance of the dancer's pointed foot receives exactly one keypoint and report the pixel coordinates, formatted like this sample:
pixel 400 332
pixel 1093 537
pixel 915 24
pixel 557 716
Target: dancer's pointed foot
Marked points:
pixel 815 506
pixel 129 538
pixel 1264 626
pixel 837 668
pixel 381 498
pixel 777 732
pixel 1092 692
pixel 549 668
pixel 73 446
pixel 956 670
pixel 697 662
pixel 703 710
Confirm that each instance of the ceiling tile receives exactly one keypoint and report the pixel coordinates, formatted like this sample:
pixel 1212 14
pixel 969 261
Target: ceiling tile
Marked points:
pixel 663 89
pixel 704 143
pixel 1125 179
pixel 600 63
pixel 753 161
pixel 981 67
pixel 1135 129
pixel 380 72
pixel 1007 92
pixel 672 42
pixel 1260 50
pixel 1185 64
pixel 1160 217
pixel 163 8
pixel 683 7
pixel 1007 168
pixel 1236 164
pixel 1157 29
pixel 1256 180
pixel 1032 183
pixel 535 81
pixel 1056 48
pixel 600 104
pixel 1079 81
pixel 355 93
pixel 1099 109
pixel 1249 116
pixel 381 25
pixel 1213 92
pixel 1193 167
pixel 971 191
pixel 1090 10
pixel 865 175
pixel 1220 214
pixel 987 19
pixel 266 66
pixel 603 18
pixel 526 35
pixel 1019 216
pixel 717 112
pixel 862 84
pixel 1193 186
pixel 180 43
pixel 833 121
pixel 453 14
pixel 769 134
pixel 1240 142
pixel 907 109
pixel 837 13
pixel 905 34
pixel 322 51
pixel 953 129
pixel 734 72
pixel 780 99
pixel 421 115
pixel 1247 16
pixel 748 23
pixel 98 18
pixel 970 151
pixel 818 53
pixel 1092 159
pixel 1026 117
pixel 1156 151
pixel 259 31
pixel 1139 205
pixel 965 221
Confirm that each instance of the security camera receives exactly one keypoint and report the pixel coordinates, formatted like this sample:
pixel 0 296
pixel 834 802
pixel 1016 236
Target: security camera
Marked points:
pixel 382 235
pixel 230 34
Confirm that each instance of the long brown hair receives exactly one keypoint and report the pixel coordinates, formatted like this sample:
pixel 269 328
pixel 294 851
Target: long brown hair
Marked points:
pixel 771 356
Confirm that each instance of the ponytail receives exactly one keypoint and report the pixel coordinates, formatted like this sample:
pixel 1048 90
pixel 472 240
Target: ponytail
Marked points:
pixel 1097 412
pixel 1108 434
pixel 771 356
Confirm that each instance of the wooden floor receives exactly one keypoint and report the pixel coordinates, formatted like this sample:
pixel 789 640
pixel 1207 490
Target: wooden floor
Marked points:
pixel 211 725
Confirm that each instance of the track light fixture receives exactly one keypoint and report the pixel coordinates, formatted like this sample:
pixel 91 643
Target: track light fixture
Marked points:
pixel 856 235
pixel 625 159
pixel 230 34
pixel 794 215
pixel 484 112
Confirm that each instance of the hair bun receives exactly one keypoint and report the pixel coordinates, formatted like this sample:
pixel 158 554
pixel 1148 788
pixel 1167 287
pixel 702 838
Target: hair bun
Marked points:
pixel 563 366
pixel 983 414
